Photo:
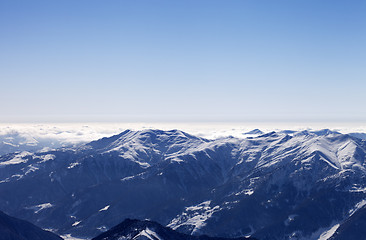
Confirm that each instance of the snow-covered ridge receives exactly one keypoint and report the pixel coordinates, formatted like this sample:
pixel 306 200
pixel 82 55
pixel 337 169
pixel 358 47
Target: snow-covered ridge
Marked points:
pixel 17 159
pixel 35 137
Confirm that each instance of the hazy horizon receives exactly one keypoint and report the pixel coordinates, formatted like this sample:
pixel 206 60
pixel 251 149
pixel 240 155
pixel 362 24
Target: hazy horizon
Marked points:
pixel 84 132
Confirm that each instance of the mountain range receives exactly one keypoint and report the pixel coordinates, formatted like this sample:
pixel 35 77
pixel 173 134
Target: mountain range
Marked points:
pixel 277 185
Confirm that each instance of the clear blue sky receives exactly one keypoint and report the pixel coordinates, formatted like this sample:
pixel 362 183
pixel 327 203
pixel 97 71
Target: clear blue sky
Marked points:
pixel 189 60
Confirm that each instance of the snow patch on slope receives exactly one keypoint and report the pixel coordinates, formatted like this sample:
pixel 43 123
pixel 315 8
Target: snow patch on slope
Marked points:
pixel 194 216
pixel 104 209
pixel 329 233
pixel 76 223
pixel 40 207
pixel 69 237
pixel 358 206
pixel 149 234
pixel 18 158
pixel 45 158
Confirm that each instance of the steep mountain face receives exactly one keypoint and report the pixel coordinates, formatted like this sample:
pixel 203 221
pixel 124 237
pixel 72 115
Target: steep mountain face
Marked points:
pixel 16 229
pixel 148 230
pixel 285 185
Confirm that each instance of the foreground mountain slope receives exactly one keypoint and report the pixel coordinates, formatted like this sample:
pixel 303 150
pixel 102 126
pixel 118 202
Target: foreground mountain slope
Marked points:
pixel 279 185
pixel 131 229
pixel 353 227
pixel 16 229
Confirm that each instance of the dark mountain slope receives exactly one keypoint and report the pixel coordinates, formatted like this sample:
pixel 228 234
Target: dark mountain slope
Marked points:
pixel 15 229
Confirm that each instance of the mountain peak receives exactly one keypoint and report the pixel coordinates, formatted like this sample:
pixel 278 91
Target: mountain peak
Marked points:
pixel 132 229
pixel 253 132
pixel 324 132
pixel 151 137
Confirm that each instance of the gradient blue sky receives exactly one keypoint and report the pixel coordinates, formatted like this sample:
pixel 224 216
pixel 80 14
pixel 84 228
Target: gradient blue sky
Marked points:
pixel 189 60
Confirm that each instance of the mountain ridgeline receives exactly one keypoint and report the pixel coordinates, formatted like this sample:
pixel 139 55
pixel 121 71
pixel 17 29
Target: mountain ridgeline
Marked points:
pixel 132 229
pixel 16 229
pixel 278 185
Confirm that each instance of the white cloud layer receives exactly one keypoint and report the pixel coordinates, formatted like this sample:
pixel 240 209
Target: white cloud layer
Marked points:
pixel 84 132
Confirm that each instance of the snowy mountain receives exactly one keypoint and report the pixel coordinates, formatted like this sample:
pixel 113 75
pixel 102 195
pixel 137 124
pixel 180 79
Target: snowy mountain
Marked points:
pixel 279 185
pixel 254 132
pixel 16 229
pixel 359 135
pixel 148 230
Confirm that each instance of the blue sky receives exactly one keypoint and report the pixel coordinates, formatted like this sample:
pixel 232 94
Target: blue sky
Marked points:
pixel 188 60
